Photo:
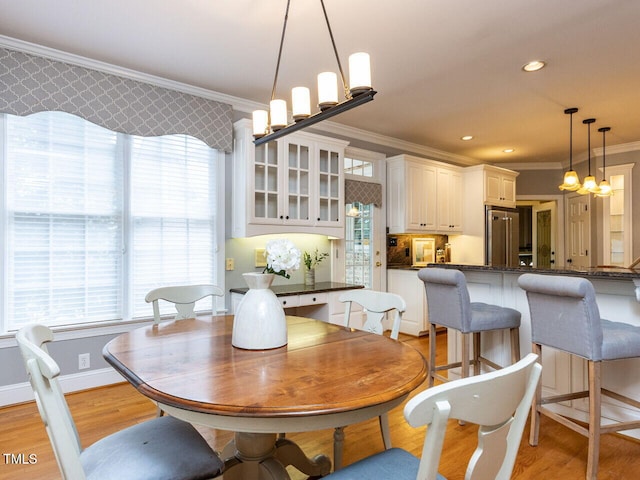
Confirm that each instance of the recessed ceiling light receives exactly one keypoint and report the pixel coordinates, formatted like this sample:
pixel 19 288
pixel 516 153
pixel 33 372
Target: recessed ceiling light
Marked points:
pixel 467 137
pixel 533 66
pixel 509 150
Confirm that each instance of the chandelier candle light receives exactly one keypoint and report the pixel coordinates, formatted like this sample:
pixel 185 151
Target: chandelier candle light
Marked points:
pixel 273 124
pixel 571 181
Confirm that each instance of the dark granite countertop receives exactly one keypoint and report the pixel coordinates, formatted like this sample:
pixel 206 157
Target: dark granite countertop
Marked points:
pixel 597 272
pixel 298 289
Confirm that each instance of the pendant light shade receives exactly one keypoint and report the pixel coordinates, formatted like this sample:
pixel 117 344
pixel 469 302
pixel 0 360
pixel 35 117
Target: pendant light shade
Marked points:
pixel 571 181
pixel 605 188
pixel 589 185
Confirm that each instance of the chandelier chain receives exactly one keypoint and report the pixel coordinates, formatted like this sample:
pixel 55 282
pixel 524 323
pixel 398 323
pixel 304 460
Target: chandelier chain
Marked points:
pixel 347 93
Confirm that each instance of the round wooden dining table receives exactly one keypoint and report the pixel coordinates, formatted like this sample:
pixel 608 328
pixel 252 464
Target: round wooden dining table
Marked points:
pixel 326 376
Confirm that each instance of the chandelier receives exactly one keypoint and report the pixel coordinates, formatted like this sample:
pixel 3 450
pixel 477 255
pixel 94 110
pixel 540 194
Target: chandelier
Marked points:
pixel 273 124
pixel 571 181
pixel 589 185
pixel 605 189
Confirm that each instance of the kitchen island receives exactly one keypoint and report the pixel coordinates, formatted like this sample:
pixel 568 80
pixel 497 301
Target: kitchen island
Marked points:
pixel 618 297
pixel 319 301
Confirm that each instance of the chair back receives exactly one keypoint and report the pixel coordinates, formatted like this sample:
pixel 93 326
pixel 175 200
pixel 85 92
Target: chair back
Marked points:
pixel 498 401
pixel 184 297
pixel 376 304
pixel 52 406
pixel 564 313
pixel 448 302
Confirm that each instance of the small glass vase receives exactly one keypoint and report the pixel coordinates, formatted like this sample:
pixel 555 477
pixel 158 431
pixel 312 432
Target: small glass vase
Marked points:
pixel 310 277
pixel 259 322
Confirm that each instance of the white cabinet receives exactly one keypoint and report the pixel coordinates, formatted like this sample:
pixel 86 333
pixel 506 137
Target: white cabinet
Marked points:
pixel 407 284
pixel 423 196
pixel 499 186
pixel 294 184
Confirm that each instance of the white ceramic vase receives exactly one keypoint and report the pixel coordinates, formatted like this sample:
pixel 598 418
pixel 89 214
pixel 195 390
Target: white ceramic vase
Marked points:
pixel 259 322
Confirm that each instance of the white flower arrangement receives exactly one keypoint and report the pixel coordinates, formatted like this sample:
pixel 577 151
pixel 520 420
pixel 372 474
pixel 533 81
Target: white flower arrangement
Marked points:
pixel 282 257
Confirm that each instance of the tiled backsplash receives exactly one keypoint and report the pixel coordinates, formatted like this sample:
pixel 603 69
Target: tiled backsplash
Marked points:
pixel 400 253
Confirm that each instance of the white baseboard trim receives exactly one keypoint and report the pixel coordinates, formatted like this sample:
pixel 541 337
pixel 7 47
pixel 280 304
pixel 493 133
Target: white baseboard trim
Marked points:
pixel 22 392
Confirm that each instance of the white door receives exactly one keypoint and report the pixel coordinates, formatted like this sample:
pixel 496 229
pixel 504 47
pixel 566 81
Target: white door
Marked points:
pixel 363 259
pixel 544 221
pixel 578 228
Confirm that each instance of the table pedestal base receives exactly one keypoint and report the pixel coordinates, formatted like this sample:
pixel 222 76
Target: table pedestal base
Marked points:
pixel 263 456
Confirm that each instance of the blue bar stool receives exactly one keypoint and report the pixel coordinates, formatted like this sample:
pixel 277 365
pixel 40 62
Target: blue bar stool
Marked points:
pixel 449 306
pixel 565 316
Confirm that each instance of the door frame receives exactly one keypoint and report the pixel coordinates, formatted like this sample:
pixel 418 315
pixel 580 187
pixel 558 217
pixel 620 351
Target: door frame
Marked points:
pixel 560 223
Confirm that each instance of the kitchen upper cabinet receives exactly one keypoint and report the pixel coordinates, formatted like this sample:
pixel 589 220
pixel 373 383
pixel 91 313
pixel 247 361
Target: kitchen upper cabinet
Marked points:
pixel 294 184
pixel 499 186
pixel 423 196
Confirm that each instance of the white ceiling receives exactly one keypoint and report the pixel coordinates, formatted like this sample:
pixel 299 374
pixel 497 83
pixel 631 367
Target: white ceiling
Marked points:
pixel 442 68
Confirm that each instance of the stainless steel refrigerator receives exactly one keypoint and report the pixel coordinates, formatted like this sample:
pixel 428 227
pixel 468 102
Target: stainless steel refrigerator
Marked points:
pixel 502 242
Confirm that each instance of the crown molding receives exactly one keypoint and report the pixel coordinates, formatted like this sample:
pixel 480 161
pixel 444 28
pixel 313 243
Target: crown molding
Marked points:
pixel 620 148
pixel 533 166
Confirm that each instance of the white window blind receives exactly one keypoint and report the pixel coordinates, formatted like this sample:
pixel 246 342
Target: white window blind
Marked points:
pixel 172 210
pixel 93 219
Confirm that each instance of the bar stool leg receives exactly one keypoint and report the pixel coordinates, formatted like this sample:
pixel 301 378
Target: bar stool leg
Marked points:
pixel 465 355
pixel 515 345
pixel 432 353
pixel 537 400
pixel 595 408
pixel 477 352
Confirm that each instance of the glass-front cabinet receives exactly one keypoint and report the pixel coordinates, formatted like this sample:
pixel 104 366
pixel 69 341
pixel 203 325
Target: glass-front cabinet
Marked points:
pixel 294 184
pixel 617 215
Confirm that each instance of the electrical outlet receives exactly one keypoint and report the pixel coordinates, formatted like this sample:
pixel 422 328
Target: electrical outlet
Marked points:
pixel 230 264
pixel 84 361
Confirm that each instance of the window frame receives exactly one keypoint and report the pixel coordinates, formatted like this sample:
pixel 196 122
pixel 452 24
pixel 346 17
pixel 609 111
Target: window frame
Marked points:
pixel 107 327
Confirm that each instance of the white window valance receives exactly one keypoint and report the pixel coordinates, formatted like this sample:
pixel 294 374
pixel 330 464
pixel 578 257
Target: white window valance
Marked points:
pixel 31 84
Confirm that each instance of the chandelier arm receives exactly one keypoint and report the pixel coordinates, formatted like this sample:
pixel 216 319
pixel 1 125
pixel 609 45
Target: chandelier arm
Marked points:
pixel 335 50
pixel 284 29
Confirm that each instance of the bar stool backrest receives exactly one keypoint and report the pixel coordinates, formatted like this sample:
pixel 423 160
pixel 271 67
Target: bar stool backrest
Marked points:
pixel 448 300
pixel 564 314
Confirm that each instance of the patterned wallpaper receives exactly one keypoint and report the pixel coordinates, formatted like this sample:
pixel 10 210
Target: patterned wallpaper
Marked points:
pixel 31 84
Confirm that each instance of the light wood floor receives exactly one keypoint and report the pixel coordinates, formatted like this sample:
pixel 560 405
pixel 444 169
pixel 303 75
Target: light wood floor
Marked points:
pixel 561 453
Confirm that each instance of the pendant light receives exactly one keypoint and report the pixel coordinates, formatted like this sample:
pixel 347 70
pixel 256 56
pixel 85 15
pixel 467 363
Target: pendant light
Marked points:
pixel 273 124
pixel 605 188
pixel 589 185
pixel 571 180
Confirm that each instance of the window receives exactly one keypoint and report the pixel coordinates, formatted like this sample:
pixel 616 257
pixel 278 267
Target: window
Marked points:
pixel 92 219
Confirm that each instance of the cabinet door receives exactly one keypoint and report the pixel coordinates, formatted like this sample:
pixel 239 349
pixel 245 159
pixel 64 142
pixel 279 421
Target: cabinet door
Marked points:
pixel 297 197
pixel 509 190
pixel 449 200
pixel 421 197
pixel 330 186
pixel 266 187
pixel 493 188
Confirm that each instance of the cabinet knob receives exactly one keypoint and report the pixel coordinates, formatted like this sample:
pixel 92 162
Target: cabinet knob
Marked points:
pixel 313 299
pixel 318 218
pixel 287 217
pixel 281 217
pixel 284 302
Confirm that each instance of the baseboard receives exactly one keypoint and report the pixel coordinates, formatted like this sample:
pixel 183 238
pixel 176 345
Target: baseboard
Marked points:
pixel 22 392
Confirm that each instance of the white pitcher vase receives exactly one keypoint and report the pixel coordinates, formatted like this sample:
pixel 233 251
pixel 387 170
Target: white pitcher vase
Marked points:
pixel 259 322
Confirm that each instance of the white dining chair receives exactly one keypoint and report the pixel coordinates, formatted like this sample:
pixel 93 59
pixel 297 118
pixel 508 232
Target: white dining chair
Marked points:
pixel 159 449
pixel 375 306
pixel 498 401
pixel 183 297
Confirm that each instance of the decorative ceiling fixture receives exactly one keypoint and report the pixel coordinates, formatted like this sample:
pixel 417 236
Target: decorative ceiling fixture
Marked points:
pixel 571 180
pixel 589 185
pixel 534 66
pixel 270 125
pixel 604 187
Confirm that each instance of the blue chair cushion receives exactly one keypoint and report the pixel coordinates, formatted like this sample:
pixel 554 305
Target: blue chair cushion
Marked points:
pixel 492 317
pixel 392 464
pixel 619 340
pixel 164 448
